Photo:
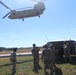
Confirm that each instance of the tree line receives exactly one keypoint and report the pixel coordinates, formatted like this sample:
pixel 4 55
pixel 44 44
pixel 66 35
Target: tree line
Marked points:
pixel 5 49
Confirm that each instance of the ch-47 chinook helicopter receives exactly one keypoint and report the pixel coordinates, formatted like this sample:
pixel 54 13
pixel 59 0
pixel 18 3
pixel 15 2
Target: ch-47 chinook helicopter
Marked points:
pixel 37 10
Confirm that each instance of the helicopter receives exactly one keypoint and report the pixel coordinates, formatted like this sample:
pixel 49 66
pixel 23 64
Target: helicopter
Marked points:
pixel 37 10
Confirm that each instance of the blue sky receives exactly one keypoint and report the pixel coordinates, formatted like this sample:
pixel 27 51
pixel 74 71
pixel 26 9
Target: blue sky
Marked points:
pixel 58 22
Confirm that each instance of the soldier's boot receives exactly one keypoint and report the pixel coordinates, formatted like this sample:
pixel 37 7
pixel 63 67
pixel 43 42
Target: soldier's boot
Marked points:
pixel 34 68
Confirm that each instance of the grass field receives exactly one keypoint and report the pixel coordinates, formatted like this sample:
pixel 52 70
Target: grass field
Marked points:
pixel 25 66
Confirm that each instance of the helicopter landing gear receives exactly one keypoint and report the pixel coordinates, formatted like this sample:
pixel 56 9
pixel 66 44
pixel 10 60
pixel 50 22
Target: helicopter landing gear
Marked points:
pixel 39 16
pixel 23 19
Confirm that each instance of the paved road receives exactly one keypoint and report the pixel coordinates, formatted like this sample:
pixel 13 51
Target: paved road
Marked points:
pixel 18 54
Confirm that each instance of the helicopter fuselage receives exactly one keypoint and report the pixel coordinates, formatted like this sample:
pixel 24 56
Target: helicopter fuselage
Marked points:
pixel 36 11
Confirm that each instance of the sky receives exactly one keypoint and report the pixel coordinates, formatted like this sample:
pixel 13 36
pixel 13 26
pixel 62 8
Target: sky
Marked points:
pixel 57 23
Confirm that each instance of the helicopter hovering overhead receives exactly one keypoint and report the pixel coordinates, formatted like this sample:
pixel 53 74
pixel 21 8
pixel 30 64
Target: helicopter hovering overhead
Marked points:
pixel 37 10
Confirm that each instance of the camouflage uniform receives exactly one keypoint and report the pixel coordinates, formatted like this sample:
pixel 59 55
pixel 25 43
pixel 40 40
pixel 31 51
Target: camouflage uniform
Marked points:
pixel 66 49
pixel 13 60
pixel 53 56
pixel 35 53
pixel 46 58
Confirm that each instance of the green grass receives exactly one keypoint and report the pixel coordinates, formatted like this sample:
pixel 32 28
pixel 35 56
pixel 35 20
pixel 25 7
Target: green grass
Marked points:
pixel 25 66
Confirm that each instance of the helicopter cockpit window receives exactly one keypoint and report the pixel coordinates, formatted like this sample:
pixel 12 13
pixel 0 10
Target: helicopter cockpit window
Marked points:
pixel 13 13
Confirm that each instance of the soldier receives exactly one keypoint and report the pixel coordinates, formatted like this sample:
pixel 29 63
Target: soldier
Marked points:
pixel 46 58
pixel 75 47
pixel 66 49
pixel 53 56
pixel 13 60
pixel 35 53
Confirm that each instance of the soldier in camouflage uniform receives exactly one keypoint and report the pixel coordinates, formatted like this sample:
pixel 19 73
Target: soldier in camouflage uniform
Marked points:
pixel 46 58
pixel 75 47
pixel 66 49
pixel 13 60
pixel 35 53
pixel 53 56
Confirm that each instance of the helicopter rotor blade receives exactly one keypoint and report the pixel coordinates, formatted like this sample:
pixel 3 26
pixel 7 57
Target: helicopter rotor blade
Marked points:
pixel 4 5
pixel 6 15
pixel 24 8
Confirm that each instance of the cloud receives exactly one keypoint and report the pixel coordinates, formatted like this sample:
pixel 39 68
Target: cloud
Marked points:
pixel 13 35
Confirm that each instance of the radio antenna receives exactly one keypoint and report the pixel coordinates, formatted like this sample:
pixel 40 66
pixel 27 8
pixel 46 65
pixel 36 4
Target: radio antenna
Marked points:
pixel 46 37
